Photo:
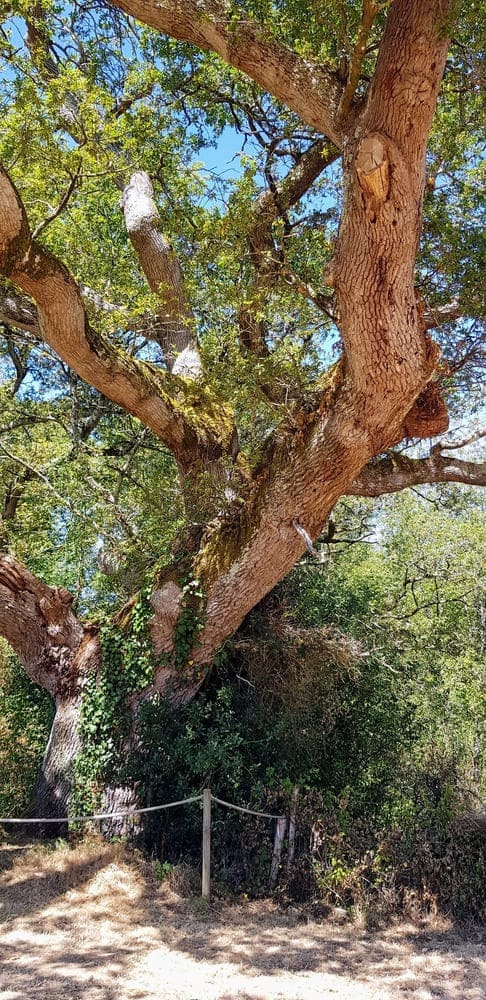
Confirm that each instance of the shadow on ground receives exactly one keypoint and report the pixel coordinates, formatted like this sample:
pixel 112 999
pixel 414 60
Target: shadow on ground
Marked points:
pixel 92 922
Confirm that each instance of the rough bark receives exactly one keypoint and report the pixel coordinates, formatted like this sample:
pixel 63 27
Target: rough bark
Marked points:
pixel 37 621
pixel 395 472
pixel 305 86
pixel 56 651
pixel 384 161
pixel 53 786
pixel 175 326
pixel 17 310
pixel 118 800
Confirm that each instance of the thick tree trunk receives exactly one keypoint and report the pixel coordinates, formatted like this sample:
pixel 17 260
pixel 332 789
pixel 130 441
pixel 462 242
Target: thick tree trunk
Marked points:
pixel 57 652
pixel 53 787
pixel 118 800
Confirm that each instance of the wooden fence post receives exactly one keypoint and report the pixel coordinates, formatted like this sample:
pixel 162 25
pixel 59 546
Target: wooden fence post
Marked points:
pixel 277 849
pixel 206 845
pixel 292 827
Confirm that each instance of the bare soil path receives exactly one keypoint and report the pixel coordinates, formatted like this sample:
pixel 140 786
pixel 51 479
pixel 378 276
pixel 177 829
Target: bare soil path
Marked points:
pixel 93 923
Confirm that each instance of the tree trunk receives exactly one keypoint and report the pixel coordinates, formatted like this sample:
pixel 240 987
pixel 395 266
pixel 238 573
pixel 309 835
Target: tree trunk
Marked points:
pixel 116 800
pixel 53 786
pixel 57 652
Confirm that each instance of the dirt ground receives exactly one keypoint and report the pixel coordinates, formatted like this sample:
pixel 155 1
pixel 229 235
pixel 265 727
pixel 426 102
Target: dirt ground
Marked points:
pixel 93 923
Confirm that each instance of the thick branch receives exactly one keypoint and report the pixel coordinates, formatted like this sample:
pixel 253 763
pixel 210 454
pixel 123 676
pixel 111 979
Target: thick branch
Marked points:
pixel 274 201
pixel 38 623
pixel 184 415
pixel 17 310
pixel 442 314
pixel 402 98
pixel 306 87
pixel 175 329
pixel 373 274
pixel 312 461
pixel 470 438
pixel 396 472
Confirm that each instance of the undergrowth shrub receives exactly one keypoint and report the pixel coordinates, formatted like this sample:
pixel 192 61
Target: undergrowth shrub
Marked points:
pixel 26 713
pixel 377 830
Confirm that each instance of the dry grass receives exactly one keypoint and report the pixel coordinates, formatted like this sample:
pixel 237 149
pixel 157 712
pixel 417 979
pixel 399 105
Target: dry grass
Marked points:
pixel 92 922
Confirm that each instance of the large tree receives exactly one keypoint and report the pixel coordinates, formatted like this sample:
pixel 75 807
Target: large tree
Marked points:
pixel 242 299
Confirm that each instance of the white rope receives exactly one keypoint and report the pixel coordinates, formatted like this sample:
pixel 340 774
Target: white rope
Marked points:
pixel 242 809
pixel 115 815
pixel 136 812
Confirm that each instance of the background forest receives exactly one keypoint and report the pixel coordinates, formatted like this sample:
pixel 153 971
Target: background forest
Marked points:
pixel 359 680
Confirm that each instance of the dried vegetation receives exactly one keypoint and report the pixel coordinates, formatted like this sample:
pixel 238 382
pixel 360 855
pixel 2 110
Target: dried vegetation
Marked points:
pixel 93 922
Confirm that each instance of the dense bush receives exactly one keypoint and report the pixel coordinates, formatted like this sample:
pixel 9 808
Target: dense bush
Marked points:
pixel 379 728
pixel 26 713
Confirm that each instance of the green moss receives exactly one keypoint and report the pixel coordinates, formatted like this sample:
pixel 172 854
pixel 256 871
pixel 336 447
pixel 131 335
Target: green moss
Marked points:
pixel 206 416
pixel 226 539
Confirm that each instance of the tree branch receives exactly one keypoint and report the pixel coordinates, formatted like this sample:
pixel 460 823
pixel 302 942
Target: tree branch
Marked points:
pixel 307 87
pixel 39 625
pixel 370 11
pixel 396 472
pixel 442 314
pixel 269 206
pixel 462 443
pixel 185 415
pixel 18 310
pixel 175 329
pixel 402 97
pixel 60 207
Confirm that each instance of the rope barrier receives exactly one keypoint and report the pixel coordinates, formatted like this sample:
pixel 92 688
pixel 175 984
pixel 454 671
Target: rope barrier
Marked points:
pixel 207 797
pixel 136 812
pixel 242 809
pixel 115 815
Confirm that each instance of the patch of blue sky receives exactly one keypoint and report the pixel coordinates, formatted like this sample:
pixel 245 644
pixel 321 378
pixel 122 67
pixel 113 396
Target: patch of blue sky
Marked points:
pixel 223 159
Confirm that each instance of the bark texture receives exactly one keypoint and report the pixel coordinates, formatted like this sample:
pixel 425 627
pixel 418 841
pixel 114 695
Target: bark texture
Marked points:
pixel 57 651
pixel 396 472
pixel 53 787
pixel 39 624
pixel 175 326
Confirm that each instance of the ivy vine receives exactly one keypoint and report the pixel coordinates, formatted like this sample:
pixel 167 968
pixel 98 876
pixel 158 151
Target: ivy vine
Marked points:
pixel 190 622
pixel 128 665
